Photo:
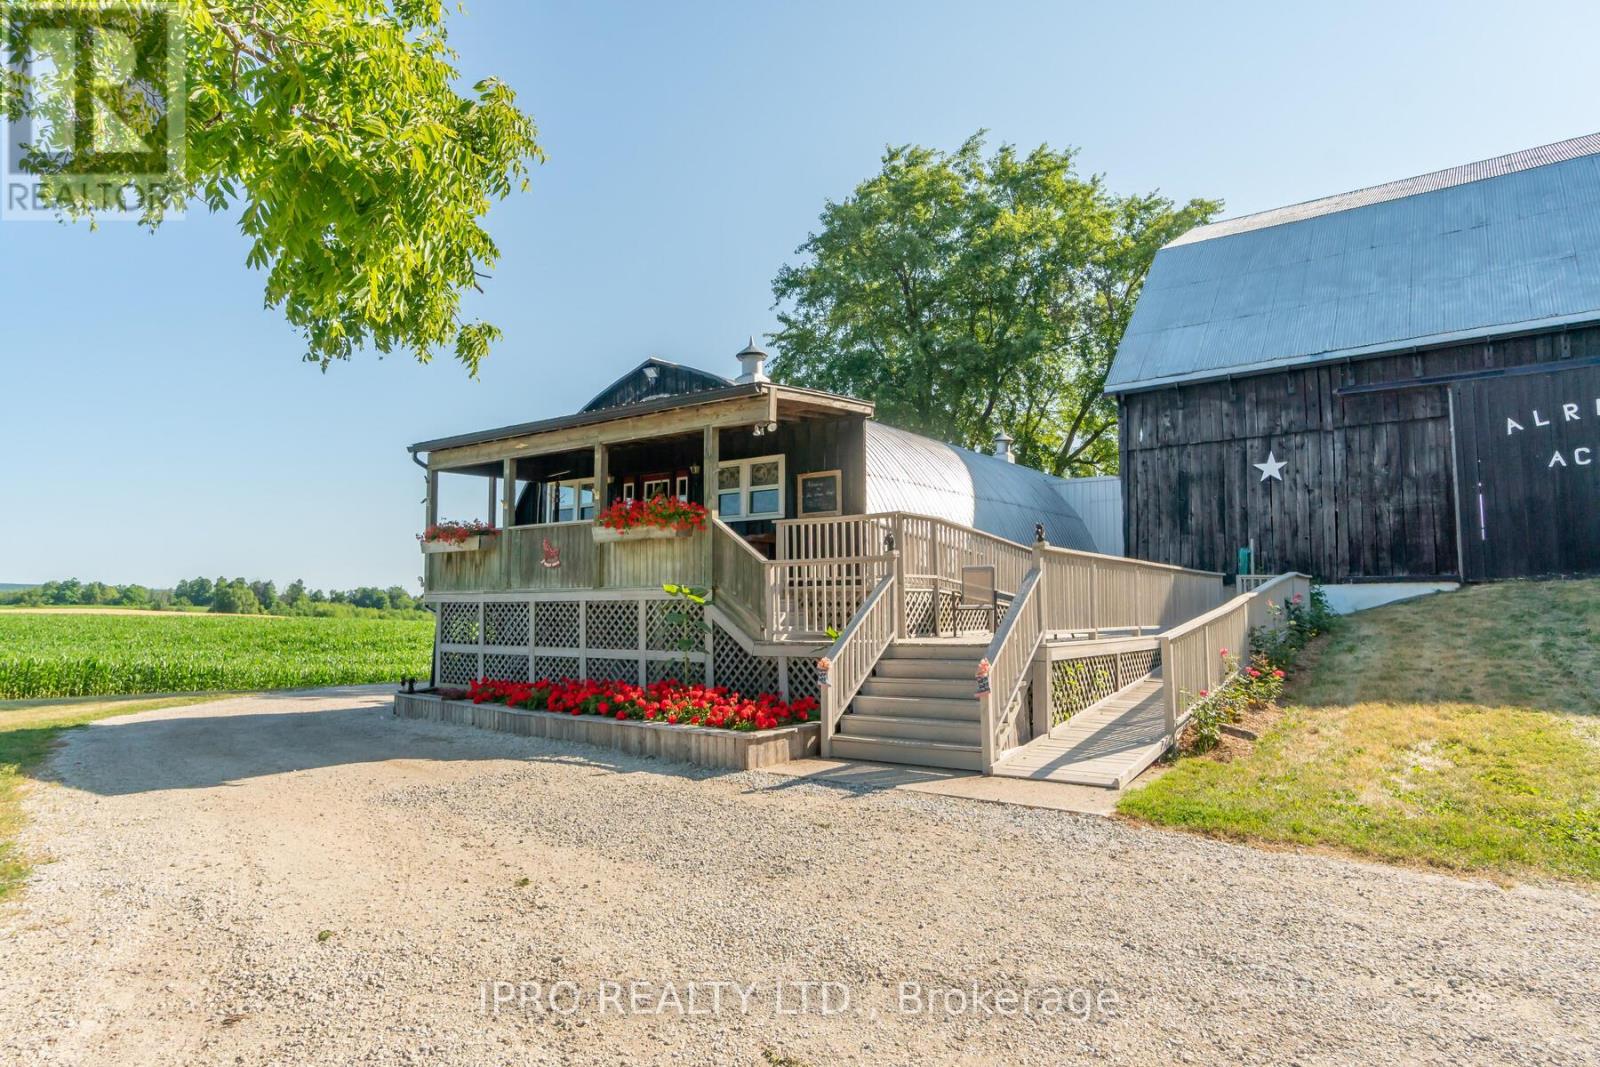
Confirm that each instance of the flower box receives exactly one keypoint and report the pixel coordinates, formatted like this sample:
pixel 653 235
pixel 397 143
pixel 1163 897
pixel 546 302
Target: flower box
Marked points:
pixel 471 544
pixel 603 534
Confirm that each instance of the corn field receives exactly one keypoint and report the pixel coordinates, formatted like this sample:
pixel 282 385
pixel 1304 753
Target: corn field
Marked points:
pixel 43 655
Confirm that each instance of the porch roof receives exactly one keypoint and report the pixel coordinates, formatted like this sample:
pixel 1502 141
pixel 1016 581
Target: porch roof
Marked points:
pixel 798 401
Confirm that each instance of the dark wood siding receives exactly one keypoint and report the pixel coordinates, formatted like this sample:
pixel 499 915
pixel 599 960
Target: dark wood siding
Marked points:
pixel 1367 490
pixel 808 446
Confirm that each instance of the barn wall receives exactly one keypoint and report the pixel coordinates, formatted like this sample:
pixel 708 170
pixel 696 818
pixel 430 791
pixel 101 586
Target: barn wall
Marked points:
pixel 1368 486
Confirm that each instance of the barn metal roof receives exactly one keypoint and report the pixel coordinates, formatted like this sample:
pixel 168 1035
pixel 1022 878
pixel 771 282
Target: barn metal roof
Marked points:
pixel 1502 246
pixel 909 472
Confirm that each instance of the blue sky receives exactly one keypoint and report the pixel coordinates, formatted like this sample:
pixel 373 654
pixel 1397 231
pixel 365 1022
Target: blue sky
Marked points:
pixel 157 422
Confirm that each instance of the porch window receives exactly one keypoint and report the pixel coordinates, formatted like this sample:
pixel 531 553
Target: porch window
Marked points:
pixel 571 501
pixel 751 488
pixel 654 487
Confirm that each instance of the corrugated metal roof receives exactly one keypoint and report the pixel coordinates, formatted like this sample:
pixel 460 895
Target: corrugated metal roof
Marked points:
pixel 1501 246
pixel 909 472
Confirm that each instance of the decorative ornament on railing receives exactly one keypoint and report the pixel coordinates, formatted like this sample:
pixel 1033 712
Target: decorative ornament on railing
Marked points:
pixel 888 542
pixel 552 555
pixel 1038 531
pixel 823 666
pixel 983 676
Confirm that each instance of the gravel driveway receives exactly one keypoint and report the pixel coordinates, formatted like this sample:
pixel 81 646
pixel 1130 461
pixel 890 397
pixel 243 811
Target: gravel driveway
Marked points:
pixel 304 879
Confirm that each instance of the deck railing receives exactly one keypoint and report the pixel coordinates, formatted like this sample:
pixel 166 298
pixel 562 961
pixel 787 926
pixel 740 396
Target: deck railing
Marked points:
pixel 1010 658
pixel 807 598
pixel 1193 666
pixel 853 656
pixel 1090 593
pixel 740 578
pixel 835 536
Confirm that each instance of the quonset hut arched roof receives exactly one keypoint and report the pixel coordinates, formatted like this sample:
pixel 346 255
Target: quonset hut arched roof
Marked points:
pixel 909 472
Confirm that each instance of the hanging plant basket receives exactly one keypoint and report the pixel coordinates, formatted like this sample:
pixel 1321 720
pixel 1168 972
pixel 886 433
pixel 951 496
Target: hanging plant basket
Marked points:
pixel 604 534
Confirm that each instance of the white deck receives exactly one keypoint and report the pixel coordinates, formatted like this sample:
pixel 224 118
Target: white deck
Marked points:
pixel 1107 745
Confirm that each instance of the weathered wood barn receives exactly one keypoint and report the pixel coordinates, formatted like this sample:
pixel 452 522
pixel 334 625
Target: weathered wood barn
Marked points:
pixel 1397 383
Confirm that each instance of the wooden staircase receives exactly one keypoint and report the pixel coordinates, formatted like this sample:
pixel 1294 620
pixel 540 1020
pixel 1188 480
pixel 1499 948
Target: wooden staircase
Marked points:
pixel 918 707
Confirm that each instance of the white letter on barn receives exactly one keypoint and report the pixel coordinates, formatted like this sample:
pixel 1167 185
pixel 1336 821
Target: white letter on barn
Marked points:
pixel 1555 459
pixel 1512 426
pixel 1582 457
pixel 1537 421
pixel 1570 411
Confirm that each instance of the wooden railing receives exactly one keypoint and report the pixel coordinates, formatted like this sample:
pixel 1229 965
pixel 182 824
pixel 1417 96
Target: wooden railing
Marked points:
pixel 807 598
pixel 740 578
pixel 834 537
pixel 1249 583
pixel 1090 593
pixel 1010 658
pixel 1193 665
pixel 853 656
pixel 517 559
pixel 938 548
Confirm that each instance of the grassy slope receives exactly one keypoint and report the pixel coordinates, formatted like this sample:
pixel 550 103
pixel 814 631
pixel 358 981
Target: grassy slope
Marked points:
pixel 1461 731
pixel 28 730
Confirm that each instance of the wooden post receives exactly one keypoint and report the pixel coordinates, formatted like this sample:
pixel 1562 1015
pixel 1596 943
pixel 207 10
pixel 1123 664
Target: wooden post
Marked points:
pixel 431 506
pixel 1094 600
pixel 1042 697
pixel 899 590
pixel 494 501
pixel 508 497
pixel 1169 686
pixel 709 442
pixel 600 501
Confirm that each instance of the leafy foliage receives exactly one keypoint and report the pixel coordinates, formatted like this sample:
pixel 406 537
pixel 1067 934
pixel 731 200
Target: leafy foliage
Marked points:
pixel 361 173
pixel 966 294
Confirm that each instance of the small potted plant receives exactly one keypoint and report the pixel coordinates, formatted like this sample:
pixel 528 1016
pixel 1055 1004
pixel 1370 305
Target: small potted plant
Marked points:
pixel 639 520
pixel 450 536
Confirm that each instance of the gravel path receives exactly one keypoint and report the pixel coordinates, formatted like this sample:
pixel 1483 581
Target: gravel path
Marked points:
pixel 304 879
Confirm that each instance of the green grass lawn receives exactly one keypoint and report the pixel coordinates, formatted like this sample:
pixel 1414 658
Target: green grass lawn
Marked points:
pixel 1460 731
pixel 28 730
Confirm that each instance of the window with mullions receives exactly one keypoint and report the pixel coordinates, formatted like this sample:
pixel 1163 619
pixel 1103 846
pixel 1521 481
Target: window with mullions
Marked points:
pixel 751 488
pixel 571 501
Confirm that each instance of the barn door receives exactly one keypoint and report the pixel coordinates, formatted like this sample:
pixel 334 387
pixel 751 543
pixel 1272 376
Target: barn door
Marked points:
pixel 1528 473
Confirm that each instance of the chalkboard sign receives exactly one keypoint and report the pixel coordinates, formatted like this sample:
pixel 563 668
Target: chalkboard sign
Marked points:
pixel 819 493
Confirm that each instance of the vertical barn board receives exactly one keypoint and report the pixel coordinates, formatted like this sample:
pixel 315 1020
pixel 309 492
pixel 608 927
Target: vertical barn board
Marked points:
pixel 1540 473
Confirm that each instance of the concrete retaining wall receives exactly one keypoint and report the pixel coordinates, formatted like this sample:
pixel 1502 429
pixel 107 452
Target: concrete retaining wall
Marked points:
pixel 724 749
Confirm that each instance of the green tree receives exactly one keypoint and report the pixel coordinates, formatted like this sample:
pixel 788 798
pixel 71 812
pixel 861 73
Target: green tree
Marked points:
pixel 235 598
pixel 335 128
pixel 266 594
pixel 967 294
pixel 134 596
pixel 294 594
pixel 195 591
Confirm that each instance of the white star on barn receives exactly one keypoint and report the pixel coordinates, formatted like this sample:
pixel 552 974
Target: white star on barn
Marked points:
pixel 1272 468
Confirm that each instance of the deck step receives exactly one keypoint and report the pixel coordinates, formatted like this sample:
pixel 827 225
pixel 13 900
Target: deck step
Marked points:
pixel 928 668
pixel 908 728
pixel 959 651
pixel 920 686
pixel 916 753
pixel 918 707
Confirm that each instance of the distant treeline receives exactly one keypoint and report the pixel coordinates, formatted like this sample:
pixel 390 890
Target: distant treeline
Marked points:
pixel 235 597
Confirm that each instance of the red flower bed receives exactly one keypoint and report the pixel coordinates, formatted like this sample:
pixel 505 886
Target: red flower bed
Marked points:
pixel 659 512
pixel 455 533
pixel 666 701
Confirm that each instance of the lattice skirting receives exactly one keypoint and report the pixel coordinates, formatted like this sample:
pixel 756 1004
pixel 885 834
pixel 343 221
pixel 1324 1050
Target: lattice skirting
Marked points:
pixel 924 610
pixel 634 639
pixel 1077 684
